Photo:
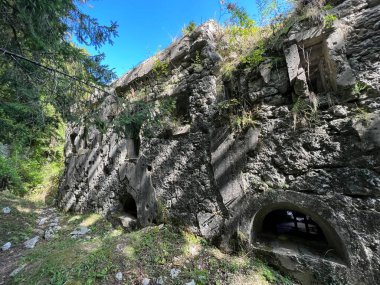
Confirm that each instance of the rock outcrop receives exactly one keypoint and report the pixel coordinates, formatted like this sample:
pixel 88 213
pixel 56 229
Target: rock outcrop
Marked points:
pixel 321 165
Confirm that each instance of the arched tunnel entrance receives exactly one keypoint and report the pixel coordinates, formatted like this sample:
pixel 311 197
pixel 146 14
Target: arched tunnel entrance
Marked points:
pixel 285 226
pixel 129 205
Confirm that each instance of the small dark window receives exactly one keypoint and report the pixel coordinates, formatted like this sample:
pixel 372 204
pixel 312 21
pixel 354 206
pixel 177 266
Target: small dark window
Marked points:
pixel 136 146
pixel 72 138
pixel 182 110
pixel 228 94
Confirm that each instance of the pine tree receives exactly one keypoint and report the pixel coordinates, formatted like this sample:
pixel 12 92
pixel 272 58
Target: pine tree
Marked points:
pixel 43 75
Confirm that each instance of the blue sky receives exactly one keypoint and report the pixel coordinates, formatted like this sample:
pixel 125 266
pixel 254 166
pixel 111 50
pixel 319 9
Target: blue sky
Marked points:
pixel 147 26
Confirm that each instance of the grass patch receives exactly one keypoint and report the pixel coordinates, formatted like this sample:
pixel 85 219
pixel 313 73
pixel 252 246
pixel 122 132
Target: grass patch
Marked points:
pixel 18 225
pixel 64 260
pixel 148 253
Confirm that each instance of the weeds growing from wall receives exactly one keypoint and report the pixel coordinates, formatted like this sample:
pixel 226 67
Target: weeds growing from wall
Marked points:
pixel 236 116
pixel 359 88
pixel 161 68
pixel 305 112
pixel 147 118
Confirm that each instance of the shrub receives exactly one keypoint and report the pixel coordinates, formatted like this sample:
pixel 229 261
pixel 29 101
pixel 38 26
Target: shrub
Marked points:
pixel 148 117
pixel 131 119
pixel 189 28
pixel 327 7
pixel 160 67
pixel 255 57
pixel 197 59
pixel 328 20
pixel 9 177
pixel 238 39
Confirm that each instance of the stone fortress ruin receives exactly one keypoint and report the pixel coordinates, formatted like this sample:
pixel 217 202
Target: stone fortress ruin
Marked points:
pixel 304 197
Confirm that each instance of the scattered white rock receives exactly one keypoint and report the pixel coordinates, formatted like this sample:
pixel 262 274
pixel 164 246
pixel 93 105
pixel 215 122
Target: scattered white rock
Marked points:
pixel 49 234
pixel 174 272
pixel 119 276
pixel 192 282
pixel 6 246
pixel 194 250
pixel 119 247
pixel 146 281
pixel 79 232
pixel 42 221
pixel 31 242
pixel 160 281
pixel 6 210
pixel 17 270
pixel 340 111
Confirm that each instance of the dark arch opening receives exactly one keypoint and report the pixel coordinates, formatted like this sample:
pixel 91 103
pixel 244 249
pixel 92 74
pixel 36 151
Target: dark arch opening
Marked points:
pixel 287 226
pixel 129 205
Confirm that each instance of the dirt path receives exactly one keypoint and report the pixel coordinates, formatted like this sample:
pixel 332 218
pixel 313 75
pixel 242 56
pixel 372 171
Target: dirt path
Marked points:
pixel 9 262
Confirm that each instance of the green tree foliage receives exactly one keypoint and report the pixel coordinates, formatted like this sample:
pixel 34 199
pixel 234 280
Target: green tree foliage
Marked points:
pixel 44 77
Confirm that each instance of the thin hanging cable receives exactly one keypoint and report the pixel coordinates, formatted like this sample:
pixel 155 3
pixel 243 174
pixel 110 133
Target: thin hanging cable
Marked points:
pixel 12 54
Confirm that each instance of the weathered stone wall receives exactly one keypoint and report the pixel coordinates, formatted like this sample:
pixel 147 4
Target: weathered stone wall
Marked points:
pixel 222 183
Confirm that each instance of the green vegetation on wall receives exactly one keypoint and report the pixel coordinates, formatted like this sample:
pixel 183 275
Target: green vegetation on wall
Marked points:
pixel 150 118
pixel 238 118
pixel 328 20
pixel 160 67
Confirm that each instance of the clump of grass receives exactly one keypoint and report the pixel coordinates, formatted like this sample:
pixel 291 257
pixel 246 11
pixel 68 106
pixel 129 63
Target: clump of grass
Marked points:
pixel 239 118
pixel 243 121
pixel 327 7
pixel 359 88
pixel 305 112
